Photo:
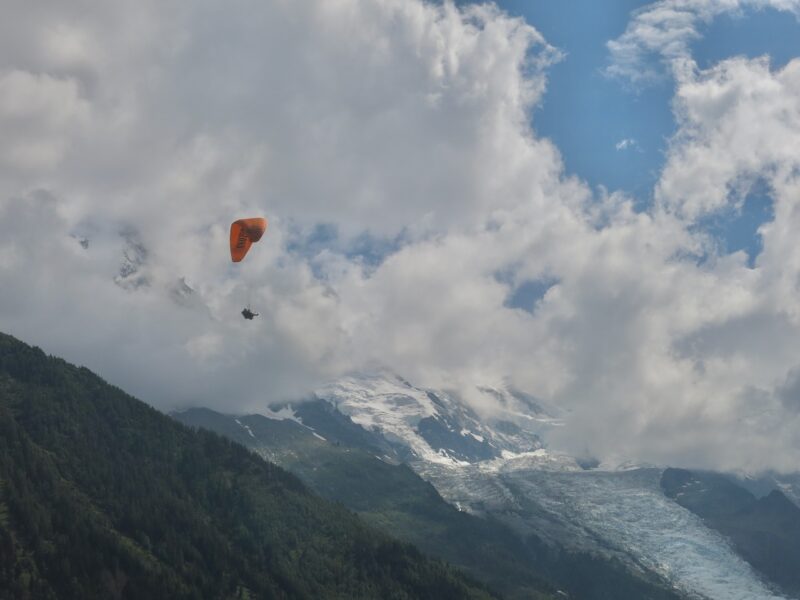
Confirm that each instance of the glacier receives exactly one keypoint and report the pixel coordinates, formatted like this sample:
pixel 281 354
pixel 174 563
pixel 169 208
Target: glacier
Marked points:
pixel 623 513
pixel 501 466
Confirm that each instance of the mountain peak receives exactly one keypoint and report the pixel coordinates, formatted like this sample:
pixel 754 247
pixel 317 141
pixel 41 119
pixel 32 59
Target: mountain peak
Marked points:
pixel 438 426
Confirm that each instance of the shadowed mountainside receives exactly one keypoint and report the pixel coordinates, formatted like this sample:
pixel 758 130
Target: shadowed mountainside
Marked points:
pixel 102 496
pixel 765 531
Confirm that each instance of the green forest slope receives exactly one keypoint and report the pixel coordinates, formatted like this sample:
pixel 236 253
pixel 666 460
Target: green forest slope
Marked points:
pixel 102 496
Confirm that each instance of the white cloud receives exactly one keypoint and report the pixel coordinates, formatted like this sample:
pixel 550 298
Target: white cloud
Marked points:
pixel 739 121
pixel 626 143
pixel 149 129
pixel 402 120
pixel 665 29
pixel 38 115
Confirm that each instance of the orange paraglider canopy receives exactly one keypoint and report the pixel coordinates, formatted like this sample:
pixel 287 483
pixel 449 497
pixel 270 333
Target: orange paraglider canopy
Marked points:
pixel 243 233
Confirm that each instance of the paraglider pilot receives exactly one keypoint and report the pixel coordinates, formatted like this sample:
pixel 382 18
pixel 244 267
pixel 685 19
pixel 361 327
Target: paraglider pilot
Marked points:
pixel 248 314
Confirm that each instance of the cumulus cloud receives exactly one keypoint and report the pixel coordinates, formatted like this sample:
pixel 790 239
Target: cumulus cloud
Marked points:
pixel 739 121
pixel 389 143
pixel 660 34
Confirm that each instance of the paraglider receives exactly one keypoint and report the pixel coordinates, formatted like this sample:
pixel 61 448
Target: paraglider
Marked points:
pixel 244 233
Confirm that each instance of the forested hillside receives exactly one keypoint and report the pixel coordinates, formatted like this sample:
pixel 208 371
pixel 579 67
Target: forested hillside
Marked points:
pixel 102 496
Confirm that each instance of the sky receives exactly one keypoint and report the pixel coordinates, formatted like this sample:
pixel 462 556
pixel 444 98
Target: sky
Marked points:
pixel 594 204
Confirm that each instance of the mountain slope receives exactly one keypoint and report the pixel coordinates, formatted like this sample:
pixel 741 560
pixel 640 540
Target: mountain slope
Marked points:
pixel 396 499
pixel 104 497
pixel 765 531
pixel 619 515
pixel 434 426
pixel 389 496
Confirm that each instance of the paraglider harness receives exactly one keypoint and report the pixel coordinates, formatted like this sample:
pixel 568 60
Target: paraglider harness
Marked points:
pixel 248 314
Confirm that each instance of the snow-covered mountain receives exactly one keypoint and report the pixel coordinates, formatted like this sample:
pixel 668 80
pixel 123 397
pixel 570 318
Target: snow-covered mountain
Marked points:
pixel 433 426
pixel 499 466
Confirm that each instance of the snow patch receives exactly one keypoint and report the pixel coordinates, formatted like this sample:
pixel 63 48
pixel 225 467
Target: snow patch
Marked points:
pixel 466 432
pixel 246 428
pixel 282 414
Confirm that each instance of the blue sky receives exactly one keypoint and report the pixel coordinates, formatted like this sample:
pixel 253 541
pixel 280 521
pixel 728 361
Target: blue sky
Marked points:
pixel 588 114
